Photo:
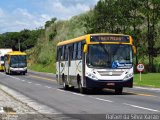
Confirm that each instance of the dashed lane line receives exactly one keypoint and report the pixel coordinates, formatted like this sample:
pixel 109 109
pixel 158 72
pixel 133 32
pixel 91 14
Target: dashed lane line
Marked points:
pixel 100 99
pixel 48 87
pixel 77 94
pixel 135 106
pixel 103 100
pixel 38 84
pixel 61 90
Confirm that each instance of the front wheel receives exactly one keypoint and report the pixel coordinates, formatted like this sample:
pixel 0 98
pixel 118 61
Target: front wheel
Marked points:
pixel 23 73
pixel 81 89
pixel 119 90
pixel 10 72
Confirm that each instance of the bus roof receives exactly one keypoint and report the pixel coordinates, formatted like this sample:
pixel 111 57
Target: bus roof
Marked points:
pixel 16 53
pixel 84 37
pixel 4 51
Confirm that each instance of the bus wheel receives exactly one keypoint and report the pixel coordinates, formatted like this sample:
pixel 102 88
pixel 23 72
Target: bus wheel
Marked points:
pixel 65 86
pixel 10 72
pixel 81 89
pixel 119 90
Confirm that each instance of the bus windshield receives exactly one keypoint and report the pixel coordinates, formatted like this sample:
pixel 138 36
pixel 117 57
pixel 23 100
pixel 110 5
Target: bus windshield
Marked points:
pixel 2 58
pixel 18 61
pixel 110 56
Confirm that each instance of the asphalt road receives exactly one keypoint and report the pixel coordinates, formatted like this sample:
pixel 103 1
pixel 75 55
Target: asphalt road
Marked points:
pixel 44 89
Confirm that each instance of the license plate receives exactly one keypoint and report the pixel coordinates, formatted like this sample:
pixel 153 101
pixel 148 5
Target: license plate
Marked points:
pixel 111 84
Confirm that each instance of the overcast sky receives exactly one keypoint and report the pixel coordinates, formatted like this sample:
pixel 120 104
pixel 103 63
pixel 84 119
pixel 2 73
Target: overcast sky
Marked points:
pixel 16 15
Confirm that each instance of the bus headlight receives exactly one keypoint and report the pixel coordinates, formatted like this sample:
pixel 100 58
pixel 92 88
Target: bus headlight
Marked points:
pixel 128 76
pixel 92 76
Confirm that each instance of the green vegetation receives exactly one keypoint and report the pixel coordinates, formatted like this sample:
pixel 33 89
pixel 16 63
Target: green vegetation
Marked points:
pixel 148 80
pixel 42 56
pixel 42 68
pixel 139 18
pixel 27 39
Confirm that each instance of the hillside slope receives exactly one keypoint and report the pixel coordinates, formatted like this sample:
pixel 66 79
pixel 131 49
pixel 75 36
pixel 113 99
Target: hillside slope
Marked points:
pixel 42 56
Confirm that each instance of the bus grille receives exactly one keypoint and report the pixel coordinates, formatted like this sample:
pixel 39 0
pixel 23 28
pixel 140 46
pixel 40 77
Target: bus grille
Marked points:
pixel 110 73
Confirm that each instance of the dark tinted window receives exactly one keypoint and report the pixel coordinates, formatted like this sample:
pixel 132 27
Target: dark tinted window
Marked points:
pixel 79 56
pixel 63 53
pixel 66 53
pixel 74 51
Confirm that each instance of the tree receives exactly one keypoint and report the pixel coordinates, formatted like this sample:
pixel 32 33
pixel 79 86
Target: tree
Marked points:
pixel 151 10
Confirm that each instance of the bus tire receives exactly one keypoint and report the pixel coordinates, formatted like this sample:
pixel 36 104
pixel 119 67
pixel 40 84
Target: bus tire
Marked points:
pixel 81 89
pixel 65 86
pixel 23 73
pixel 10 72
pixel 119 90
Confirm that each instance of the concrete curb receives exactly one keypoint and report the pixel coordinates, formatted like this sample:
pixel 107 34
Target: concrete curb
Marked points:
pixel 39 108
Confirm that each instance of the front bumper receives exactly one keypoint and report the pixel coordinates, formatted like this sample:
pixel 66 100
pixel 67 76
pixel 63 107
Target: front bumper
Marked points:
pixel 90 83
pixel 18 70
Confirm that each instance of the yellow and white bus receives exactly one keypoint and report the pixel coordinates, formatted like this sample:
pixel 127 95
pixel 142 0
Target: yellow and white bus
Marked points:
pixel 96 61
pixel 15 62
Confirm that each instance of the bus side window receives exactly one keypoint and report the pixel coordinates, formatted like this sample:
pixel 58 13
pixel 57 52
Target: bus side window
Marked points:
pixel 79 56
pixel 66 52
pixel 63 53
pixel 74 51
pixel 59 53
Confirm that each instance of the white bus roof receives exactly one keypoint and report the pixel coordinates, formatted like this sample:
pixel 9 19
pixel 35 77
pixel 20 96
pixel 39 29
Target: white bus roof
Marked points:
pixel 4 51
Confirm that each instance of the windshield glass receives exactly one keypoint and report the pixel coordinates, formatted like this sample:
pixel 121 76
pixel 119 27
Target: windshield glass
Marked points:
pixel 110 56
pixel 2 58
pixel 18 61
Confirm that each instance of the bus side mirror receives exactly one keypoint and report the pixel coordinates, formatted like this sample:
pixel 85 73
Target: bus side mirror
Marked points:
pixel 85 48
pixel 134 49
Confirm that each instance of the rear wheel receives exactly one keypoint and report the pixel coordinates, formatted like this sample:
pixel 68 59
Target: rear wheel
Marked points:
pixel 119 90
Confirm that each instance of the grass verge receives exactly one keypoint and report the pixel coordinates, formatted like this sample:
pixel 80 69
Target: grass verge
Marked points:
pixel 148 80
pixel 43 68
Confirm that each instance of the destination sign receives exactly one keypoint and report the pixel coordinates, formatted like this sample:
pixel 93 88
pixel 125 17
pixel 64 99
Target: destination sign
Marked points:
pixel 108 38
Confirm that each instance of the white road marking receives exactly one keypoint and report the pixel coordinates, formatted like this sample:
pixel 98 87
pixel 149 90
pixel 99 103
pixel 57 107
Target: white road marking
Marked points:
pixel 77 94
pixel 48 87
pixel 100 99
pixel 70 92
pixel 141 107
pixel 23 80
pixel 38 84
pixel 61 90
pixel 29 82
pixel 104 100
